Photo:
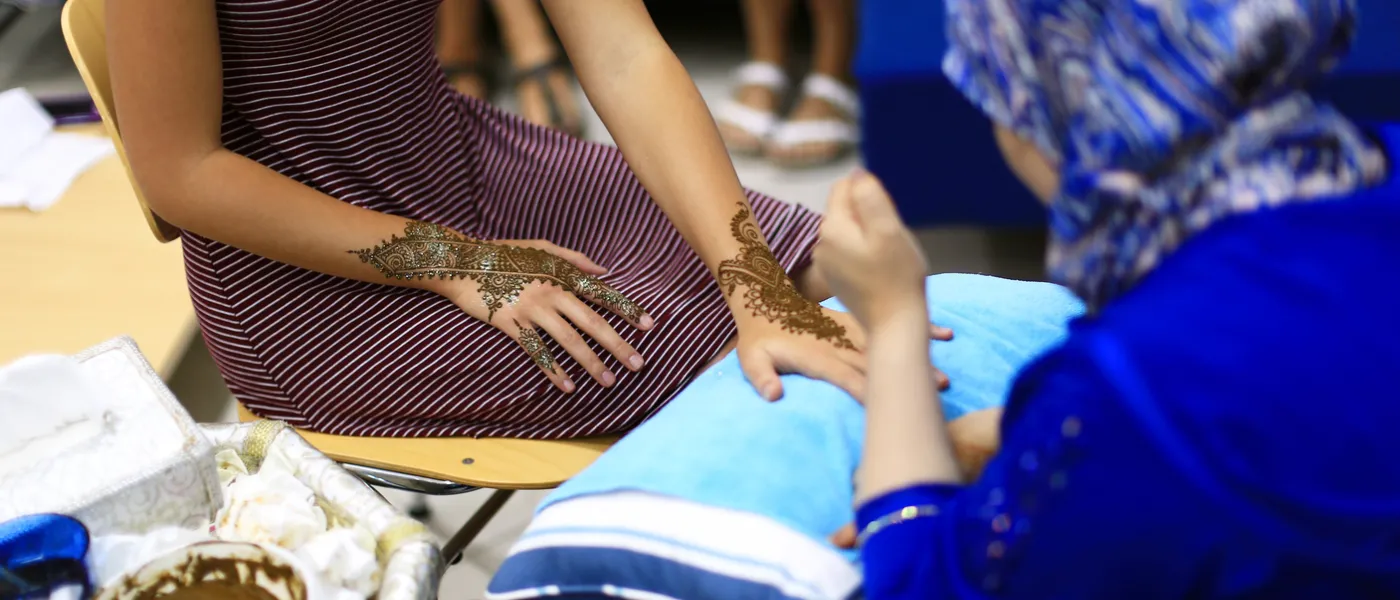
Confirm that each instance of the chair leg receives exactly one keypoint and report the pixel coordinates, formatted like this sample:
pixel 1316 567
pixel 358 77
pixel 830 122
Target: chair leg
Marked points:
pixel 420 509
pixel 452 550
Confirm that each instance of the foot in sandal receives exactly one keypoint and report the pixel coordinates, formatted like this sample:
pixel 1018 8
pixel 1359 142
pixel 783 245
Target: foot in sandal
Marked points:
pixel 545 95
pixel 821 127
pixel 748 118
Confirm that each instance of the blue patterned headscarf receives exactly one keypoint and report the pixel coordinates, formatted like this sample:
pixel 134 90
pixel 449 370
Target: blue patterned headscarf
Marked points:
pixel 1163 116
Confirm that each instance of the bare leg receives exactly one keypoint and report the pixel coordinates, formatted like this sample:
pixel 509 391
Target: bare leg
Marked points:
pixel 459 45
pixel 766 30
pixel 833 37
pixel 766 34
pixel 528 40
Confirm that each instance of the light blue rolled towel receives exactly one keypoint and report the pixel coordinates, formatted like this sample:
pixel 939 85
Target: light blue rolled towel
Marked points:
pixel 718 443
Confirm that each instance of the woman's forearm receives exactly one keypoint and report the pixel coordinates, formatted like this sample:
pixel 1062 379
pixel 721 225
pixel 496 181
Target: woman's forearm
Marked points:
pixel 659 121
pixel 906 442
pixel 231 199
pixel 166 70
pixel 662 125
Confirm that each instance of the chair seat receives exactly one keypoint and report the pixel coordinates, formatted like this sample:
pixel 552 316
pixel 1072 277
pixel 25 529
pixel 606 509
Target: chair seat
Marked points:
pixel 496 463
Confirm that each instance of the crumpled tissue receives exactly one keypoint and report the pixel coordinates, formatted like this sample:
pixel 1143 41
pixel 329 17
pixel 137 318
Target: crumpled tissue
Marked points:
pixel 273 507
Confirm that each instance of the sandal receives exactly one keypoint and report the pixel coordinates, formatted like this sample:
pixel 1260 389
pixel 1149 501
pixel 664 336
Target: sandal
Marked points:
pixel 475 69
pixel 539 75
pixel 756 124
pixel 840 133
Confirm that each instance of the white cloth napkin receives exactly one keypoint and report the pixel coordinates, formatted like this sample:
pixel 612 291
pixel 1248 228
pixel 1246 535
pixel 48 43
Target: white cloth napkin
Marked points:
pixel 37 164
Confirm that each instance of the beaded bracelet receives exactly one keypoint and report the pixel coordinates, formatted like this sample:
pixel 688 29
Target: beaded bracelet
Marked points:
pixel 903 515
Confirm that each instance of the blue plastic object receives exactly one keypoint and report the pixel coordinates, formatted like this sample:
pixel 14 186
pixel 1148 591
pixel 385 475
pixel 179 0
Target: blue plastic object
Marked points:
pixel 935 152
pixel 40 553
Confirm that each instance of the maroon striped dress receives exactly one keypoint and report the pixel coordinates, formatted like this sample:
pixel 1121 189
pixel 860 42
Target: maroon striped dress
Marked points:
pixel 347 97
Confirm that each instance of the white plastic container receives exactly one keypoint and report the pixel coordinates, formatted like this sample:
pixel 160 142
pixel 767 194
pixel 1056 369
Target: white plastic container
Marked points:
pixel 114 450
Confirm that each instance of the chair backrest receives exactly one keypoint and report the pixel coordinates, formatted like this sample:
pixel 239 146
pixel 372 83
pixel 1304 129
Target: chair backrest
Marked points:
pixel 85 29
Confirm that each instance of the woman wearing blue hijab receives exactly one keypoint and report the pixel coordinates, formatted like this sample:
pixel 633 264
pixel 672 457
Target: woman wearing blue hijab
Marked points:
pixel 1222 423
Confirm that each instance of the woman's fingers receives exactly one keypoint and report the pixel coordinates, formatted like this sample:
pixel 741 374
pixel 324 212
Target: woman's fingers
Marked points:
pixel 569 339
pixel 845 538
pixel 941 379
pixel 817 362
pixel 598 328
pixel 939 332
pixel 762 374
pixel 529 338
pixel 602 294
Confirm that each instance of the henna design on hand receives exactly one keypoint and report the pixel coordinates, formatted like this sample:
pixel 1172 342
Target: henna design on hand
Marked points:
pixel 534 346
pixel 501 271
pixel 768 291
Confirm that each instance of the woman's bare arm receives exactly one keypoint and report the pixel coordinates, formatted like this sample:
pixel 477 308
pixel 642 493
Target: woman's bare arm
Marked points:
pixel 657 117
pixel 167 82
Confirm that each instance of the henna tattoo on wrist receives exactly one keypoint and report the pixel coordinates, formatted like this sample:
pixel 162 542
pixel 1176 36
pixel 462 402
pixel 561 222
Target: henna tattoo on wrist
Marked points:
pixel 768 291
pixel 501 271
pixel 533 344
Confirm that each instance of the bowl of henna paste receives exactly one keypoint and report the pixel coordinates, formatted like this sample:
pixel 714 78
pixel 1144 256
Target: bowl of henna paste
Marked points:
pixel 210 570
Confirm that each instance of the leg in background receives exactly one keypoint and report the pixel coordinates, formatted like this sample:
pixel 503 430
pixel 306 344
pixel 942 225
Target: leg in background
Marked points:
pixel 766 30
pixel 459 45
pixel 833 39
pixel 545 92
pixel 766 34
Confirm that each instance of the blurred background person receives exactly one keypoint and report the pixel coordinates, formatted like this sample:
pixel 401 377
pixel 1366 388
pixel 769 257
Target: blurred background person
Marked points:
pixel 821 125
pixel 544 91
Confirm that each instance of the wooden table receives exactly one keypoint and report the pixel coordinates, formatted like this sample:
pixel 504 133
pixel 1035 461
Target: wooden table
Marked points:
pixel 87 270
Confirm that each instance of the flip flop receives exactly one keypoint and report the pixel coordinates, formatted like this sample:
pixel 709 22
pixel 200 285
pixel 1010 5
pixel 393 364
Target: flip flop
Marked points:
pixel 757 123
pixel 539 74
pixel 841 132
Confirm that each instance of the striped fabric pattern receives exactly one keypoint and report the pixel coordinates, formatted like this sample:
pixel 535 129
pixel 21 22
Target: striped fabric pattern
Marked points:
pixel 347 97
pixel 651 546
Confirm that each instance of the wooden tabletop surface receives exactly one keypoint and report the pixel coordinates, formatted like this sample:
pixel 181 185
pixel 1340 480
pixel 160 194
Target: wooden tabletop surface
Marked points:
pixel 88 269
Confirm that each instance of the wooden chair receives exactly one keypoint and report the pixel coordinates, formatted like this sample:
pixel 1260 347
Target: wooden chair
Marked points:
pixel 434 466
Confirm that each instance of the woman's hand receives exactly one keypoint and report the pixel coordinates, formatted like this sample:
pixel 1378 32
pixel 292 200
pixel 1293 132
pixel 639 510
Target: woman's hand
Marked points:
pixel 553 305
pixel 766 349
pixel 868 256
pixel 522 287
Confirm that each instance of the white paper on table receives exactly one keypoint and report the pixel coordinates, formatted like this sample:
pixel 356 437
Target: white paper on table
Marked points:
pixel 37 164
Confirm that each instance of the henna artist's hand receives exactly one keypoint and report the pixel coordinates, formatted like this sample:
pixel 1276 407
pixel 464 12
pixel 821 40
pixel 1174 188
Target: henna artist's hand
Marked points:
pixel 870 259
pixel 522 287
pixel 868 256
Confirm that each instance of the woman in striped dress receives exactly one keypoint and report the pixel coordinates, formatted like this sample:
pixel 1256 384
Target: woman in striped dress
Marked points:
pixel 371 253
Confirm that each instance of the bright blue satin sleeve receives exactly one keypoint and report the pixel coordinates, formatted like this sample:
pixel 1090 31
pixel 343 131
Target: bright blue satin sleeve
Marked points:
pixel 1052 511
pixel 898 560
